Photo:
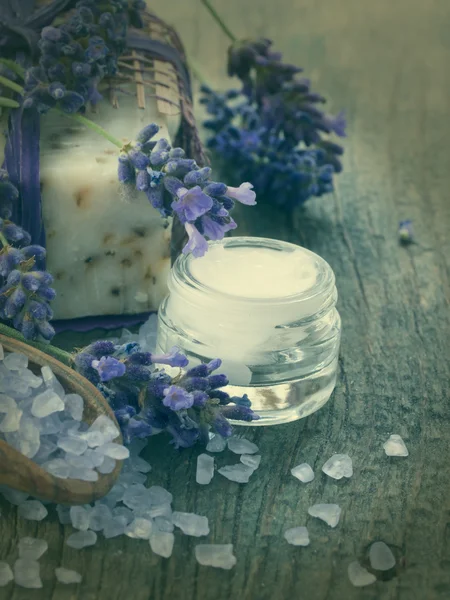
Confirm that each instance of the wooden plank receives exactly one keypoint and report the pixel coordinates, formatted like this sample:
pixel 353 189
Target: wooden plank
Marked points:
pixel 387 64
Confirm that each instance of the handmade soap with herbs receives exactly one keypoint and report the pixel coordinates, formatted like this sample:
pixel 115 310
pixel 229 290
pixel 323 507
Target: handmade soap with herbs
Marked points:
pixel 107 247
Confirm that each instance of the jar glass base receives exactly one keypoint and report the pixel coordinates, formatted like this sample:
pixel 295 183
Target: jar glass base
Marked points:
pixel 290 401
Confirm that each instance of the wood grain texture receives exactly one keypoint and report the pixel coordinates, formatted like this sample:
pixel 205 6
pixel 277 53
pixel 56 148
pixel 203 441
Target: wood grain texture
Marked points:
pixel 386 63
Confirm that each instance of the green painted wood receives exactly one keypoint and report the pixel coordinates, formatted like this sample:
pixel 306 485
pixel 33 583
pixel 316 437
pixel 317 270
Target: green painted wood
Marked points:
pixel 387 64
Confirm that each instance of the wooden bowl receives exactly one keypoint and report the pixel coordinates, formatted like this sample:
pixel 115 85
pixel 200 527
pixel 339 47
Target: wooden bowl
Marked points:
pixel 21 473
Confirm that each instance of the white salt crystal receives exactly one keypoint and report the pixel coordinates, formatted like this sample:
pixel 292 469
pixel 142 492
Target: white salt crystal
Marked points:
pixel 57 467
pixel 114 527
pixel 106 427
pixel 30 378
pixel 160 510
pixel 93 438
pixel 46 449
pixel 163 524
pixel 251 460
pixel 338 466
pixel 158 495
pixel 67 576
pixel 381 557
pixel 139 528
pixel 32 548
pixel 81 539
pixel 116 451
pixel 107 466
pixel 63 514
pixel 131 478
pixel 49 425
pixel 74 404
pixel 215 555
pixel 161 543
pixel 73 445
pixel 241 446
pixel 6 574
pixel 303 472
pixel 190 523
pixel 123 511
pixel 137 496
pixel 330 513
pixel 33 510
pixel 96 458
pixel 239 473
pixel 15 361
pixel 80 517
pixel 395 446
pixel 51 382
pixel 216 444
pixel 98 517
pixel 27 573
pixel 27 439
pixel 359 576
pixel 205 469
pixel 297 536
pixel 46 403
pixel 139 464
pixel 14 496
pixel 11 420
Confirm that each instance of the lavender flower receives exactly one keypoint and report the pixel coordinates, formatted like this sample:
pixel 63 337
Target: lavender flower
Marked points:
pixel 177 398
pixel 108 368
pixel 406 232
pixel 177 186
pixel 146 399
pixel 273 131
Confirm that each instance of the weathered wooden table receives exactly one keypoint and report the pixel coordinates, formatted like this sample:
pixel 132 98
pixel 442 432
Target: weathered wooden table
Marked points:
pixel 387 64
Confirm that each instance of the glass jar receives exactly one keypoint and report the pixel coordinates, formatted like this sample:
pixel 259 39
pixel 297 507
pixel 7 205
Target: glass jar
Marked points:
pixel 267 309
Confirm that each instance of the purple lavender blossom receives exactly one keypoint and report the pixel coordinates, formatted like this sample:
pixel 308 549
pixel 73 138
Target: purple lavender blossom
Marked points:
pixel 108 368
pixel 177 398
pixel 406 232
pixel 191 204
pixel 244 194
pixel 197 243
pixel 173 358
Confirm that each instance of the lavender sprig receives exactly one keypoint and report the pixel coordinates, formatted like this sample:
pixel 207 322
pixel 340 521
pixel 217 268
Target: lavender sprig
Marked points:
pixel 78 54
pixel 176 185
pixel 146 399
pixel 25 290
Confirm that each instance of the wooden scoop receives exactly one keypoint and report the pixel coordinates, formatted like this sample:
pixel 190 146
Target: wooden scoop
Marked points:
pixel 21 473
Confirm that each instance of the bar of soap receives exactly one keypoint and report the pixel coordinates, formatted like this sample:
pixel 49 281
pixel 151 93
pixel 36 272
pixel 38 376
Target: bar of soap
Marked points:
pixel 109 252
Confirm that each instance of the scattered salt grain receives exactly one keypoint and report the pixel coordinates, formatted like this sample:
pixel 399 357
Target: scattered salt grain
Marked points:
pixel 15 361
pixel 46 403
pixel 381 557
pixel 330 513
pixel 114 527
pixel 303 473
pixel 161 543
pixel 80 517
pixel 139 528
pixel 67 576
pixel 359 576
pixel 163 524
pixel 251 460
pixel 338 466
pixel 27 573
pixel 190 523
pixel 216 444
pixel 6 574
pixel 395 446
pixel 32 548
pixel 99 516
pixel 297 536
pixel 33 510
pixel 74 406
pixel 139 464
pixel 108 465
pixel 205 469
pixel 14 496
pixel 239 473
pixel 116 451
pixel 158 495
pixel 81 539
pixel 106 427
pixel 215 555
pixel 242 446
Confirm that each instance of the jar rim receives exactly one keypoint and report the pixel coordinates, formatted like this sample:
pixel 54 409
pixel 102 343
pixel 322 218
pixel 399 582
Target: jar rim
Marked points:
pixel 323 286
